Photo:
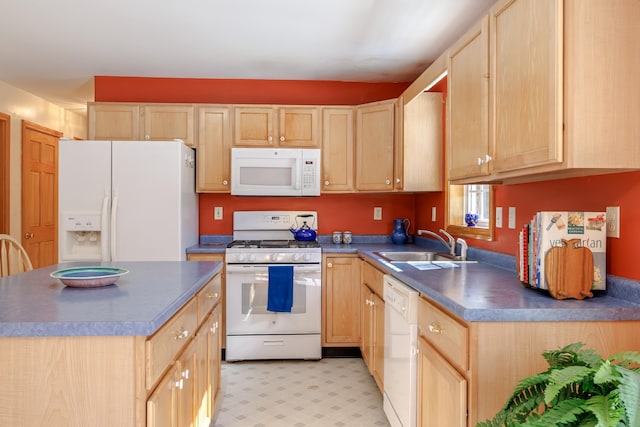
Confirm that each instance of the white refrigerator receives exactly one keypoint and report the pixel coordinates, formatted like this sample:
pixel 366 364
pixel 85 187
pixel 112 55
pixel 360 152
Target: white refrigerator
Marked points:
pixel 126 200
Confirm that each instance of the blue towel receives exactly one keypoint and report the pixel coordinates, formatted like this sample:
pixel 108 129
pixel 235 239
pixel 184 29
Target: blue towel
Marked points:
pixel 280 293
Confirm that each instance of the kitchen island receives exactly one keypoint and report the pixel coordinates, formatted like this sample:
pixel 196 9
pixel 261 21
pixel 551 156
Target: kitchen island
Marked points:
pixel 114 355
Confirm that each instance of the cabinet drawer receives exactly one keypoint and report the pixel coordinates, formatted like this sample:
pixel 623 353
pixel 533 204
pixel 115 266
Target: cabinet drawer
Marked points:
pixel 446 334
pixel 164 345
pixel 208 297
pixel 373 278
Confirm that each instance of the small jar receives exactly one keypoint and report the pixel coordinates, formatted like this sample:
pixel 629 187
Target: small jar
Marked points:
pixel 337 237
pixel 347 237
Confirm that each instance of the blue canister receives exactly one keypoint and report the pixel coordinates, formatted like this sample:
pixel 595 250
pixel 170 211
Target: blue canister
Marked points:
pixel 400 231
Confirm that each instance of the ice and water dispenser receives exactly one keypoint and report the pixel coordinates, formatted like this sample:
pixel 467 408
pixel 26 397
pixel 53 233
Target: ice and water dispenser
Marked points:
pixel 82 239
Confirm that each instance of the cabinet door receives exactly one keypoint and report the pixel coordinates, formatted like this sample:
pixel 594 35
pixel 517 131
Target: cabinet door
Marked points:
pixel 378 340
pixel 421 154
pixel 113 121
pixel 337 149
pixel 254 126
pixel 162 405
pixel 299 127
pixel 342 301
pixel 187 375
pixel 167 122
pixel 468 87
pixel 526 84
pixel 202 392
pixel 215 357
pixel 213 156
pixel 442 391
pixel 366 343
pixel 374 146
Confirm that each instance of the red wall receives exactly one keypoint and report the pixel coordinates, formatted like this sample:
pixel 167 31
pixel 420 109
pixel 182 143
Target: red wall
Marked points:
pixel 355 212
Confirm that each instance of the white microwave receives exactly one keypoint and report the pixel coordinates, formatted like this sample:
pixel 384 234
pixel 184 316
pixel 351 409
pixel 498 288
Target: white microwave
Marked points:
pixel 275 171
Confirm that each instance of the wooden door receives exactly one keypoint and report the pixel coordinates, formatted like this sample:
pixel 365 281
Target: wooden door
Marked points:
pixel 213 156
pixel 168 122
pixel 337 149
pixel 374 146
pixel 342 318
pixel 5 126
pixel 40 193
pixel 299 127
pixel 187 386
pixel 526 85
pixel 162 404
pixel 254 126
pixel 468 103
pixel 442 391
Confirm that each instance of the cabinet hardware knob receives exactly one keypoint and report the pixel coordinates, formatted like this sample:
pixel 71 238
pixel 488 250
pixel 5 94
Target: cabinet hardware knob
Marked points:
pixel 147 137
pixel 326 182
pixel 282 138
pixel 181 335
pixel 225 182
pixel 270 139
pixel 28 236
pixel 388 181
pixel 329 265
pixel 479 161
pixel 398 180
pixel 436 328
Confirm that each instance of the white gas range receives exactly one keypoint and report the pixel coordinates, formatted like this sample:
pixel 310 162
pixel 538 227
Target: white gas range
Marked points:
pixel 274 288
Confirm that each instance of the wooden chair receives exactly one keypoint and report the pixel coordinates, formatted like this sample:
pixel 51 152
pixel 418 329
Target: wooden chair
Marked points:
pixel 13 257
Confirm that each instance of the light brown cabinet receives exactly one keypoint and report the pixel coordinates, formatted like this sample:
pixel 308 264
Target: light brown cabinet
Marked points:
pixel 372 307
pixel 276 126
pixel 461 357
pixel 375 137
pixel 337 150
pixel 148 122
pixel 341 301
pixel 213 153
pixel 554 105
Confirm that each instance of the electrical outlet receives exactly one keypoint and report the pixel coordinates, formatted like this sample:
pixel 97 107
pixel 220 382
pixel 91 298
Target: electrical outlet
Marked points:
pixel 498 217
pixel 217 212
pixel 512 217
pixel 433 214
pixel 613 221
pixel 377 214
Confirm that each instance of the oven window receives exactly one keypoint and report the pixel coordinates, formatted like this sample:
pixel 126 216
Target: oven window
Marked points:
pixel 255 294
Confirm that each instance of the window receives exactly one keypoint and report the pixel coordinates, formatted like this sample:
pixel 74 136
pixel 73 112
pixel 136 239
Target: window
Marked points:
pixel 477 199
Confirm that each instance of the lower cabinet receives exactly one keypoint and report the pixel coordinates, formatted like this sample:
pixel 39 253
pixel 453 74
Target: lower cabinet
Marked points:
pixel 341 301
pixel 467 370
pixel 442 391
pixel 185 395
pixel 372 307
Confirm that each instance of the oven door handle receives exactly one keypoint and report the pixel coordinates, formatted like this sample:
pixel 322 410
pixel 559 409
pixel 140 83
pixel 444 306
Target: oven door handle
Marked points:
pixel 263 268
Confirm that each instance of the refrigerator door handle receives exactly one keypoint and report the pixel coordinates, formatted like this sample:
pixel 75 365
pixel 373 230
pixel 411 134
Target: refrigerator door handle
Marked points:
pixel 114 211
pixel 103 227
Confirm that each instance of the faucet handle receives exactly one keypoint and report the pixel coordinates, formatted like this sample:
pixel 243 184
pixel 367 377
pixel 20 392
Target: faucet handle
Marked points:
pixel 452 242
pixel 463 248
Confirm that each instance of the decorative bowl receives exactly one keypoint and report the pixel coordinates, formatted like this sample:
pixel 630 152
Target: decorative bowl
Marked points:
pixel 89 277
pixel 471 219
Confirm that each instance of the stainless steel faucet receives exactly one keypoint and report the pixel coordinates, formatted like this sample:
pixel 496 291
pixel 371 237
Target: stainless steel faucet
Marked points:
pixel 451 245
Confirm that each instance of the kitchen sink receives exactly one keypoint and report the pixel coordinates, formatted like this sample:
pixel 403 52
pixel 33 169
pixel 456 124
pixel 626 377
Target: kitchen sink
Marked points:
pixel 411 256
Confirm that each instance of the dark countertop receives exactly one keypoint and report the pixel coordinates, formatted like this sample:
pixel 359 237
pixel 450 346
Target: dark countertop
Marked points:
pixel 489 289
pixel 35 304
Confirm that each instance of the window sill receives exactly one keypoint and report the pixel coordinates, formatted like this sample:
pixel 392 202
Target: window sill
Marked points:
pixel 479 233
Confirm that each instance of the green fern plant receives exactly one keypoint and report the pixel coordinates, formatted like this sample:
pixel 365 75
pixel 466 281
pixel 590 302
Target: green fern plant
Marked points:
pixel 580 389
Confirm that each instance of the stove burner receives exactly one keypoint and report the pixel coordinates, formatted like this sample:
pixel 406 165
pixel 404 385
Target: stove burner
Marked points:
pixel 273 244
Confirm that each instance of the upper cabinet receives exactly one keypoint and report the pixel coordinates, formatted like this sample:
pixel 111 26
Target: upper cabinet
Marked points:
pixel 213 153
pixel 468 106
pixel 375 135
pixel 560 79
pixel 150 122
pixel 337 150
pixel 419 150
pixel 113 121
pixel 273 126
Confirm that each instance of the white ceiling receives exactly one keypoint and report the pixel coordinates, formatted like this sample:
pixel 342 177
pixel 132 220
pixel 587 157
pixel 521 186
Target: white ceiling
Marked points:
pixel 54 48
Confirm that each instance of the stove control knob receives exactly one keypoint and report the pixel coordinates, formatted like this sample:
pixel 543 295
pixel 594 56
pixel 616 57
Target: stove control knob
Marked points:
pixel 307 257
pixel 241 257
pixel 295 257
pixel 274 257
pixel 252 257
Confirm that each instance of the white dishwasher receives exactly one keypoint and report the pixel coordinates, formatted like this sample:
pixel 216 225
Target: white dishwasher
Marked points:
pixel 400 349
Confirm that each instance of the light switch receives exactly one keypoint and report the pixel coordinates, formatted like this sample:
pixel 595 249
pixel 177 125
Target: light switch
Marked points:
pixel 377 214
pixel 499 217
pixel 512 217
pixel 613 221
pixel 433 214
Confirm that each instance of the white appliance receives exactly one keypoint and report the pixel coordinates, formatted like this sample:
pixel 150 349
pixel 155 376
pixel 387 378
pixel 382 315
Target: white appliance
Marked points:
pixel 400 352
pixel 126 200
pixel 262 240
pixel 275 172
